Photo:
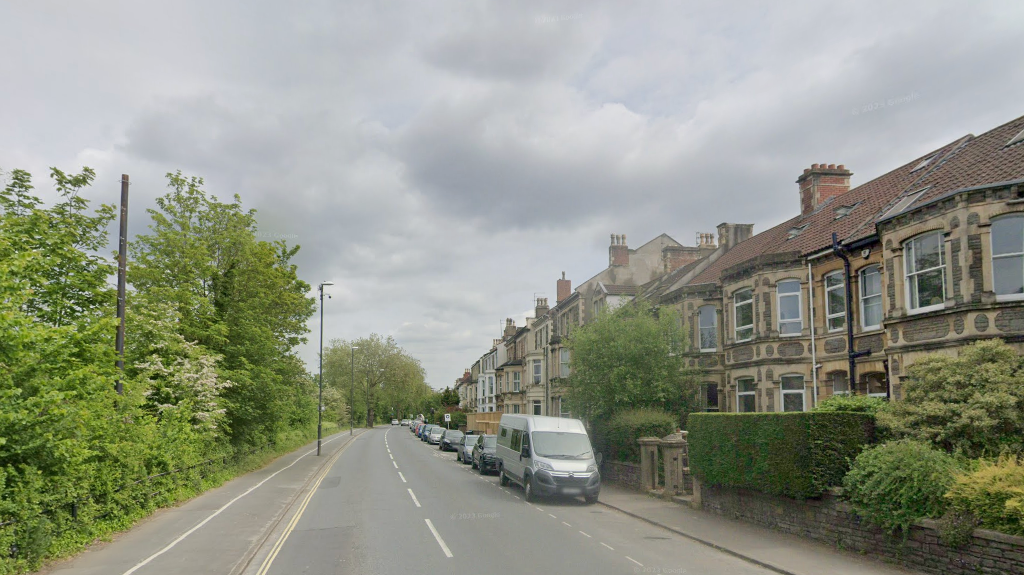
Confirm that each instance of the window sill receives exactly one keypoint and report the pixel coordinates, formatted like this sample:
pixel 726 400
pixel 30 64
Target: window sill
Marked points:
pixel 926 309
pixel 712 350
pixel 1010 297
pixel 791 334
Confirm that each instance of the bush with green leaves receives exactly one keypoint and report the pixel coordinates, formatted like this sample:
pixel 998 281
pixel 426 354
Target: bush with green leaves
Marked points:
pixel 971 404
pixel 617 438
pixel 798 455
pixel 852 403
pixel 993 493
pixel 897 483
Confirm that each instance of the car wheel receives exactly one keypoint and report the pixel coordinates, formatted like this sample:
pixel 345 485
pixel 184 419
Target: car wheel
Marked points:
pixel 590 499
pixel 528 494
pixel 503 479
pixel 472 462
pixel 483 470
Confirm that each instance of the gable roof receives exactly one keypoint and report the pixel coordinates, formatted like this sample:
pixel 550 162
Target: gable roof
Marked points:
pixel 612 289
pixel 967 161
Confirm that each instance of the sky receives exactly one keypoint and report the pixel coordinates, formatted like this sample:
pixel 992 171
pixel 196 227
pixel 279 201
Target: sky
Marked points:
pixel 444 162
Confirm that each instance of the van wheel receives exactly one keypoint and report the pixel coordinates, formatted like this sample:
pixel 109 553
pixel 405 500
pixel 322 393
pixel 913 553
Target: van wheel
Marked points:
pixel 528 490
pixel 503 479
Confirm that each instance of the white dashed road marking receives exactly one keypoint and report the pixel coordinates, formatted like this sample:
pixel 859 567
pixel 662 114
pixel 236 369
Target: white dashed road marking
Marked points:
pixel 447 552
pixel 395 464
pixel 608 546
pixel 634 561
pixel 414 500
pixel 585 535
pixel 402 476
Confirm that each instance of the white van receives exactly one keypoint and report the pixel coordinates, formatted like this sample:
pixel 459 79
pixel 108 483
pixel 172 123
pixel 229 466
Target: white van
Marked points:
pixel 547 456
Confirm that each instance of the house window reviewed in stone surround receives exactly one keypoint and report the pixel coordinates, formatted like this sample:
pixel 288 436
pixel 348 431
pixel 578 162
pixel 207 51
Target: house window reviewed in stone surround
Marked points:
pixel 490 384
pixel 515 408
pixel 871 297
pixel 1008 257
pixel 536 371
pixel 563 408
pixel 926 272
pixel 790 320
pixel 745 390
pixel 743 311
pixel 835 301
pixel 707 318
pixel 873 384
pixel 515 381
pixel 536 407
pixel 840 382
pixel 563 362
pixel 792 393
pixel 709 397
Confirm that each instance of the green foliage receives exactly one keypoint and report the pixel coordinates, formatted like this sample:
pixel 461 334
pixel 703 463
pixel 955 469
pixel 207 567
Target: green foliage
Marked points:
pixel 798 455
pixel 971 404
pixel 617 438
pixel 852 403
pixel 630 357
pixel 896 483
pixel 993 494
pixel 77 461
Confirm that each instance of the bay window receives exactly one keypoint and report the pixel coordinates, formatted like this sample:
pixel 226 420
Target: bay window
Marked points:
pixel 926 272
pixel 743 311
pixel 792 393
pixel 790 320
pixel 745 395
pixel 1008 257
pixel 707 318
pixel 835 301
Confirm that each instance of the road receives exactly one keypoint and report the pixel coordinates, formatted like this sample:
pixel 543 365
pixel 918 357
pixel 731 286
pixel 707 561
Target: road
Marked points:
pixel 383 502
pixel 392 504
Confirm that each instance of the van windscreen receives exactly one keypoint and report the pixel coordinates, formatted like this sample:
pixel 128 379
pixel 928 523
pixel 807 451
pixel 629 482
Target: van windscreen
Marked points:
pixel 561 445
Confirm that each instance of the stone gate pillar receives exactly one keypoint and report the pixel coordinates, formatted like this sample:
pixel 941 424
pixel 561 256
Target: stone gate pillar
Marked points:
pixel 649 462
pixel 673 450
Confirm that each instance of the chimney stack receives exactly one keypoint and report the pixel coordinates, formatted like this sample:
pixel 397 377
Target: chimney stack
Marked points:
pixel 563 289
pixel 821 182
pixel 731 234
pixel 618 252
pixel 510 328
pixel 542 307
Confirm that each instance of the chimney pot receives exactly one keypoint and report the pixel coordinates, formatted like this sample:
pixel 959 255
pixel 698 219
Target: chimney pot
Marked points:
pixel 814 166
pixel 842 167
pixel 831 166
pixel 807 170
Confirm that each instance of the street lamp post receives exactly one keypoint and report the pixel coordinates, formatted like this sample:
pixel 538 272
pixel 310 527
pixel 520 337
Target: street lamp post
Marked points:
pixel 352 393
pixel 320 400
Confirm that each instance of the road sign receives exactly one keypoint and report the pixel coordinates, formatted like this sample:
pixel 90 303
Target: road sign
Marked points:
pixel 447 417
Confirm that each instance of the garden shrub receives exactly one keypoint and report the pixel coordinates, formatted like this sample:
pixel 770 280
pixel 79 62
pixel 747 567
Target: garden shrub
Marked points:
pixel 852 403
pixel 797 455
pixel 971 404
pixel 993 493
pixel 896 483
pixel 617 438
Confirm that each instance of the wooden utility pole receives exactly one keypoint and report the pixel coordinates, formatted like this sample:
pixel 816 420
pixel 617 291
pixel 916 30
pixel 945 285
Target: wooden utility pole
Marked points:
pixel 122 268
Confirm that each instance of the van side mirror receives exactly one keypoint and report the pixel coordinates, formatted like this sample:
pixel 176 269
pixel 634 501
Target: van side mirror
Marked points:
pixel 599 458
pixel 526 451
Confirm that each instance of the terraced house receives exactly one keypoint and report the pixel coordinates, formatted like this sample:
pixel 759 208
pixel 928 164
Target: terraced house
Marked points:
pixel 844 296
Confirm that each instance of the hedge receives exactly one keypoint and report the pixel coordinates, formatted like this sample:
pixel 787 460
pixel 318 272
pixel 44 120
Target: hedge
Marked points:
pixel 617 438
pixel 798 455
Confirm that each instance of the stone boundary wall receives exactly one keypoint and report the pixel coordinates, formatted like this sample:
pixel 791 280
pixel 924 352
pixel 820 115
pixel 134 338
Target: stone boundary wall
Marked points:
pixel 832 521
pixel 622 473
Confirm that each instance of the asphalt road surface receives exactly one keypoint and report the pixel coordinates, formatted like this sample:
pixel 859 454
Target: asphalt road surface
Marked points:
pixel 393 504
pixel 382 503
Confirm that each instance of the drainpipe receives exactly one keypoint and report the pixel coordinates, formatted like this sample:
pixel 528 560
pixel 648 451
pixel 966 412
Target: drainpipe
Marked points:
pixel 851 355
pixel 814 360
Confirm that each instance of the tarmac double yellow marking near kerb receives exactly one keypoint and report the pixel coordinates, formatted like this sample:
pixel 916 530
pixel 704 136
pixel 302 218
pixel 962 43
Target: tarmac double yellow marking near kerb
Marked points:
pixel 298 515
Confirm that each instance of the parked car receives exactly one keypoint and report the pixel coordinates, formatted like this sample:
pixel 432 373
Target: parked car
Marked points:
pixel 547 456
pixel 405 422
pixel 483 457
pixel 434 435
pixel 425 432
pixel 394 422
pixel 464 450
pixel 450 440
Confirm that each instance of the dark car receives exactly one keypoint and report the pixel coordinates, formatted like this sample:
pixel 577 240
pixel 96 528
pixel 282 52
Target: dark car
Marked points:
pixel 484 458
pixel 425 431
pixel 450 440
pixel 464 450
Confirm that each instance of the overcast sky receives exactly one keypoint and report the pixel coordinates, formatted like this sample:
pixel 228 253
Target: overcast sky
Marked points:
pixel 443 162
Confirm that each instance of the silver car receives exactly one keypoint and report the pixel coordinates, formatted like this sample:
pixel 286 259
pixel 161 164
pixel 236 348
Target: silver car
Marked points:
pixel 435 435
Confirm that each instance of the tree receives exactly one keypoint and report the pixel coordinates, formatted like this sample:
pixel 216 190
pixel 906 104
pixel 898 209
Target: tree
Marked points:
pixel 234 296
pixel 629 358
pixel 973 403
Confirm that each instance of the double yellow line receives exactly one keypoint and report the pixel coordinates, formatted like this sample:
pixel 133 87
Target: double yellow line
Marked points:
pixel 265 567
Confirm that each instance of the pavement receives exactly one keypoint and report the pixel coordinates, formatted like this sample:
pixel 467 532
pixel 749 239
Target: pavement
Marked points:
pixel 779 552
